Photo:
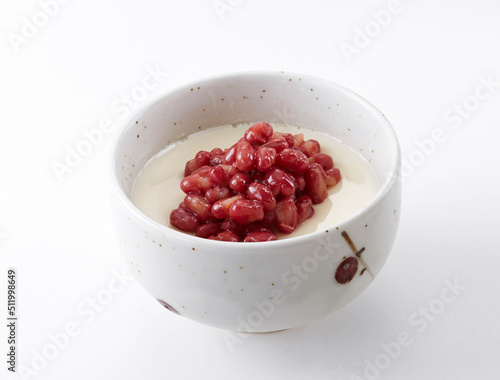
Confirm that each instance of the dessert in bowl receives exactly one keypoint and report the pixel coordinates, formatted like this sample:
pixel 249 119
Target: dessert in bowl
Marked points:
pixel 259 286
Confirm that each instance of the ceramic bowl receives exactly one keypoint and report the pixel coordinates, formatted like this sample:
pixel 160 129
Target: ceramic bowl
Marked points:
pixel 267 286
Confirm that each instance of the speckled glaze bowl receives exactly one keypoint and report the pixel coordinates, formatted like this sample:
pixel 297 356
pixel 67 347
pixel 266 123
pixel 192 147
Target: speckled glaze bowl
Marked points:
pixel 268 286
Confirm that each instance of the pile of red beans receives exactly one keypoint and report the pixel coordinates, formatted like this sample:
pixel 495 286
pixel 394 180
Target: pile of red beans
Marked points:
pixel 266 182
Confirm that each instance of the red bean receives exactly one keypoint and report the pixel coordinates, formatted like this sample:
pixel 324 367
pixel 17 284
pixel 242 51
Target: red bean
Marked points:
pixel 298 139
pixel 246 211
pixel 290 140
pixel 333 176
pixel 260 236
pixel 189 168
pixel 218 176
pixel 202 158
pixel 316 183
pixel 245 156
pixel 265 158
pixel 262 193
pixel 239 182
pixel 226 236
pixel 294 160
pixel 300 182
pixel 280 182
pixel 216 151
pixel 199 206
pixel 278 144
pixel 208 229
pixel 198 181
pixel 286 215
pixel 304 208
pixel 310 147
pixel 221 174
pixel 220 209
pixel 257 227
pixel 323 159
pixel 269 219
pixel 217 193
pixel 259 133
pixel 253 227
pixel 217 160
pixel 217 157
pixel 184 219
pixel 230 225
pixel 230 155
pixel 190 184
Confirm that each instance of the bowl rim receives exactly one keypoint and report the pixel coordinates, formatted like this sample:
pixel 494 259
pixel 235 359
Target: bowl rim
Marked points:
pixel 391 177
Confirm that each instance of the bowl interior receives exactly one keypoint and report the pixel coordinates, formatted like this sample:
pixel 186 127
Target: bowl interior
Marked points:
pixel 273 97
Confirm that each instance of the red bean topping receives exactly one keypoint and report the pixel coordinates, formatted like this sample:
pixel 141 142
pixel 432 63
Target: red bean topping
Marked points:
pixel 230 225
pixel 280 182
pixel 239 182
pixel 278 144
pixel 189 168
pixel 259 133
pixel 293 160
pixel 286 215
pixel 217 193
pixel 184 220
pixel 216 151
pixel 316 183
pixel 208 229
pixel 290 140
pixel 310 147
pixel 298 139
pixel 199 206
pixel 265 182
pixel 244 211
pixel 333 176
pixel 202 158
pixel 323 159
pixel 245 156
pixel 304 208
pixel 263 193
pixel 265 158
pixel 230 156
pixel 220 209
pixel 226 236
pixel 260 236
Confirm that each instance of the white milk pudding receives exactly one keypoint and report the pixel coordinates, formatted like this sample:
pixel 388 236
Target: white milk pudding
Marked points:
pixel 157 191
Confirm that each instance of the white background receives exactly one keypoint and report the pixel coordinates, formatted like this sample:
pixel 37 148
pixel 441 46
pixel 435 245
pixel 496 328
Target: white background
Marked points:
pixel 64 79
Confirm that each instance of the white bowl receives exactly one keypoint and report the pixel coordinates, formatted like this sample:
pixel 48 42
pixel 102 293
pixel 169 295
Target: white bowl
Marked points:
pixel 269 286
